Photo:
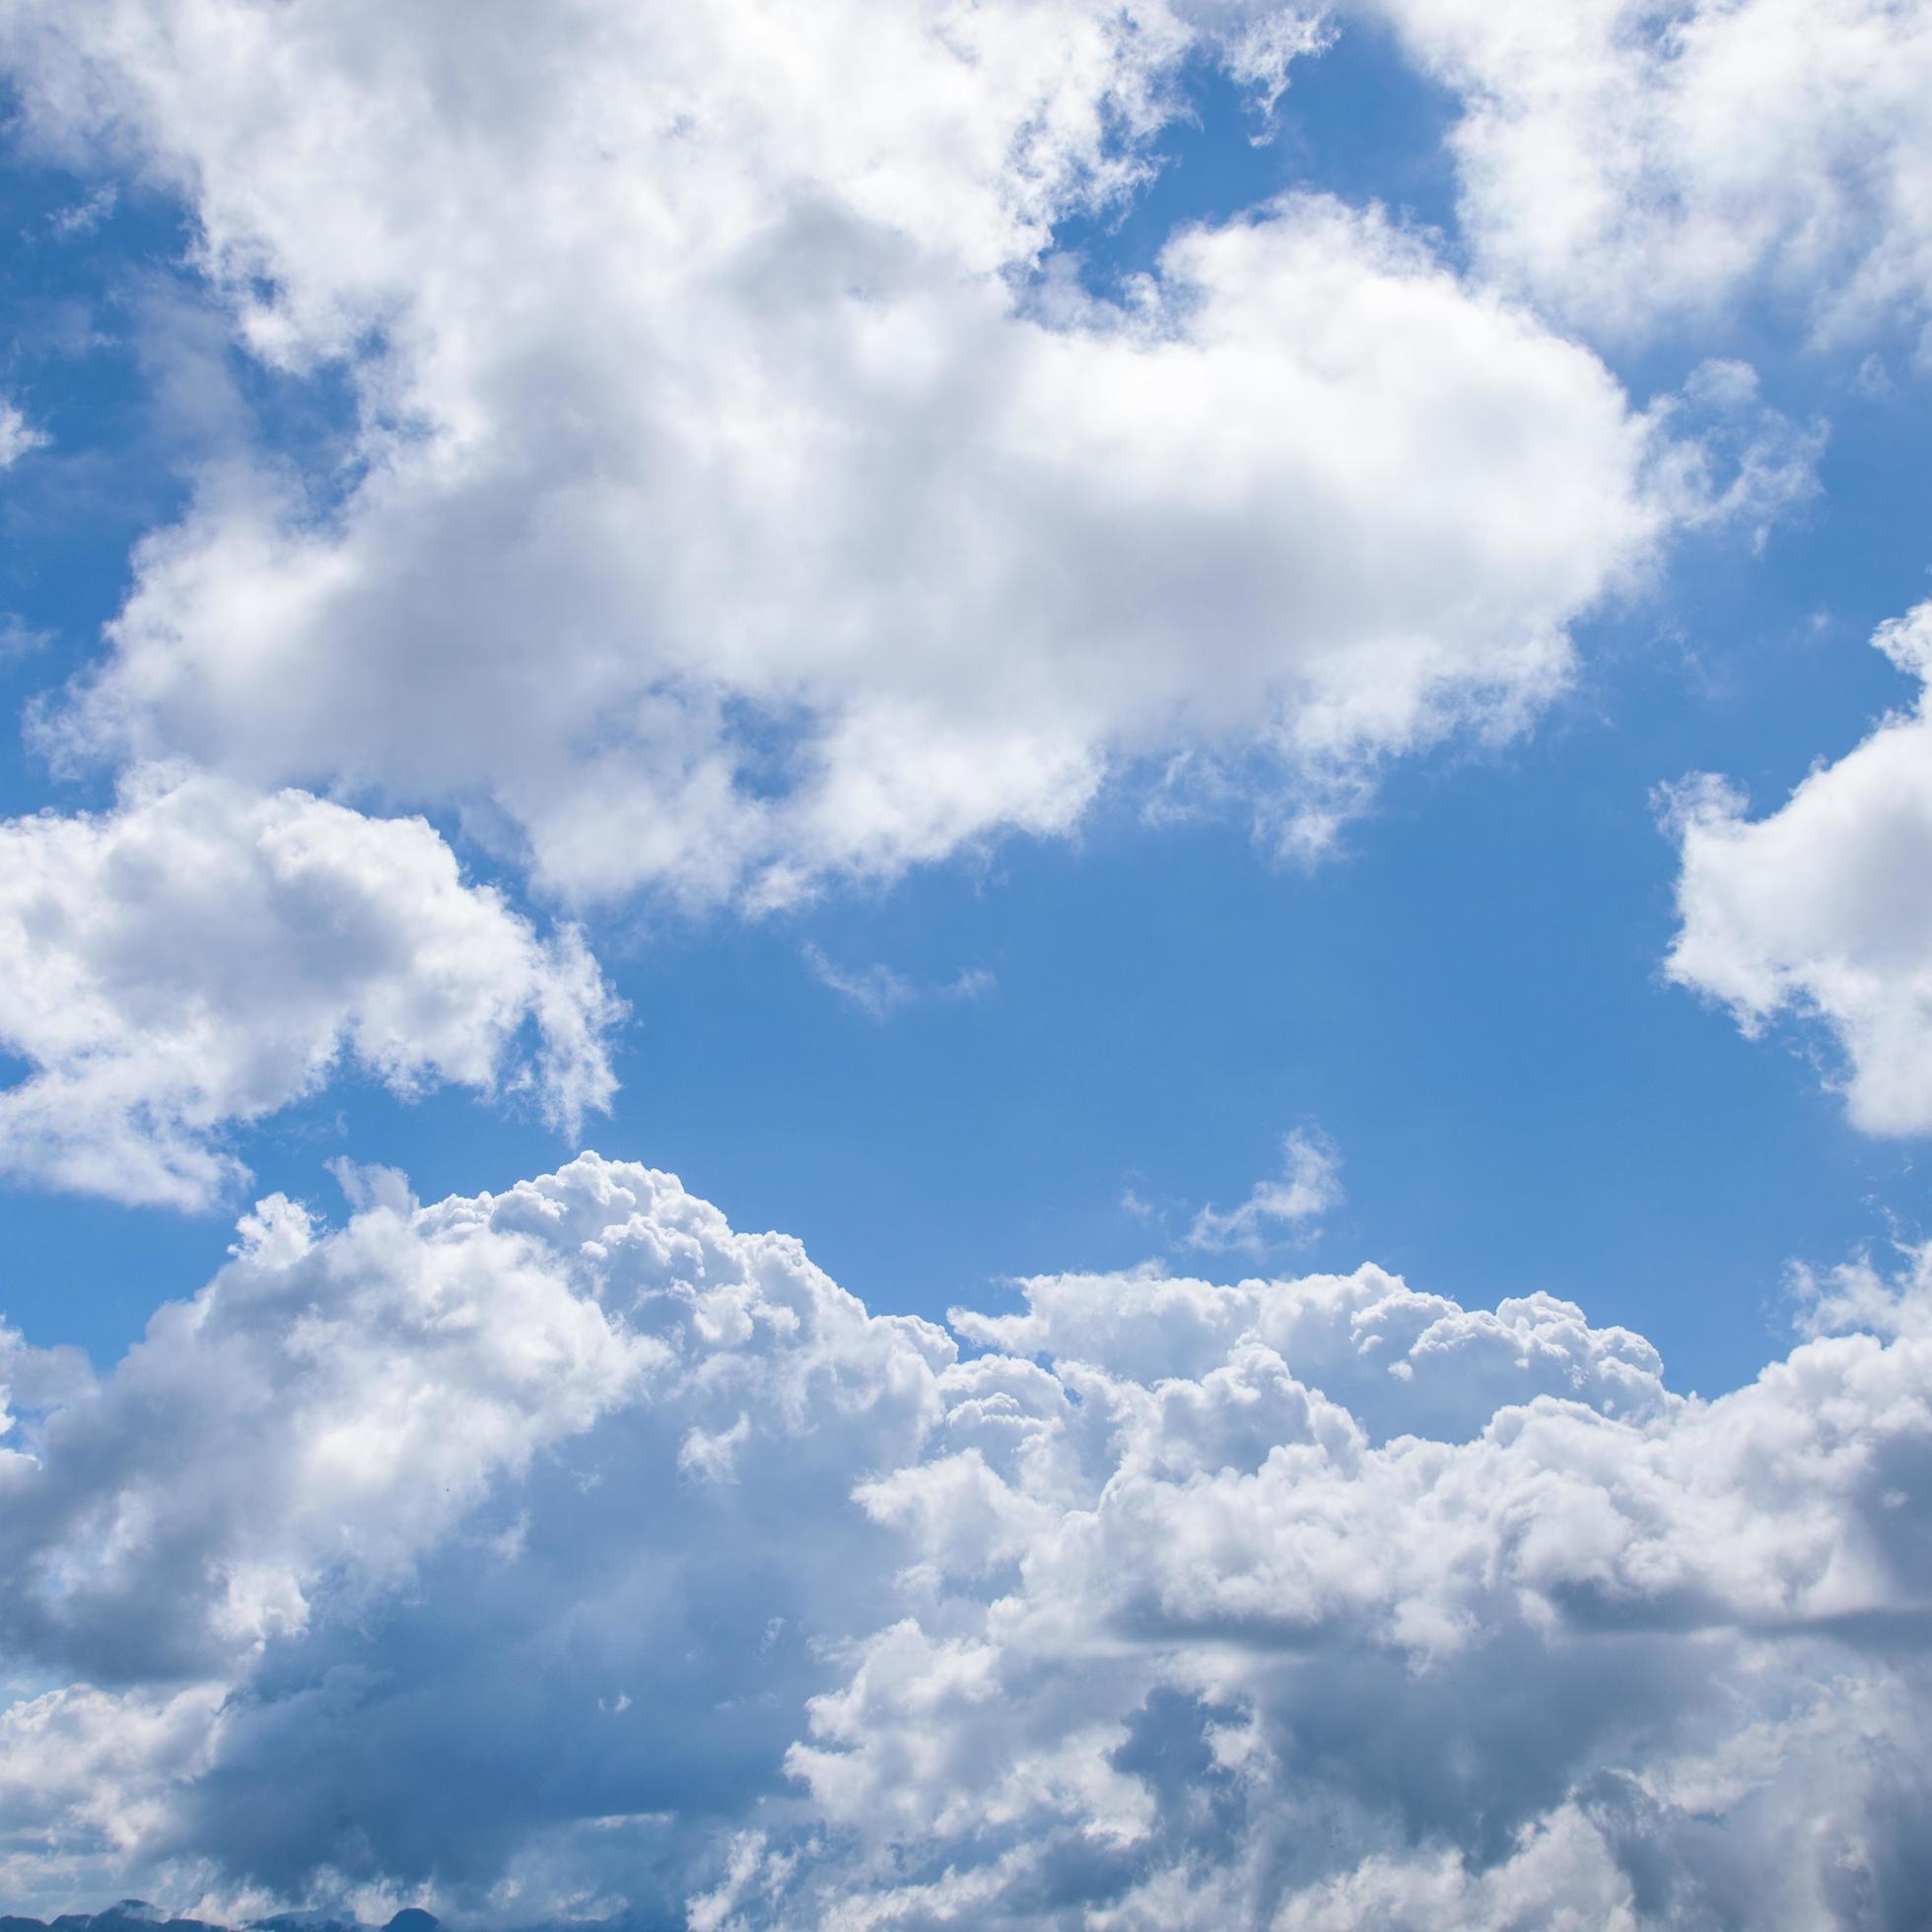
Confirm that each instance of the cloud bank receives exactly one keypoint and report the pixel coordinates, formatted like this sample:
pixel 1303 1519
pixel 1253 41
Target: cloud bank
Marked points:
pixel 565 1553
pixel 202 956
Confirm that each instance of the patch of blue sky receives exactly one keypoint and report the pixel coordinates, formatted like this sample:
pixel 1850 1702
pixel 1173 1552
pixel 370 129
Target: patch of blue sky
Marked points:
pixel 113 349
pixel 71 510
pixel 1354 121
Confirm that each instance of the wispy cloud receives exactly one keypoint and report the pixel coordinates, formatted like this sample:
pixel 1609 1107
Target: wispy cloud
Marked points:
pixel 878 992
pixel 19 639
pixel 1310 1184
pixel 18 437
pixel 84 217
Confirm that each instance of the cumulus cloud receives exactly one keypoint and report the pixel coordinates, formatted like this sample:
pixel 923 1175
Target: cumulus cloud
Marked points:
pixel 1310 1184
pixel 202 956
pixel 1822 908
pixel 564 1552
pixel 1628 162
pixel 745 487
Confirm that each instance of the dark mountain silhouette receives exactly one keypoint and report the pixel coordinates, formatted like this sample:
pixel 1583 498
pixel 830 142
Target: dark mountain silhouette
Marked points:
pixel 137 1915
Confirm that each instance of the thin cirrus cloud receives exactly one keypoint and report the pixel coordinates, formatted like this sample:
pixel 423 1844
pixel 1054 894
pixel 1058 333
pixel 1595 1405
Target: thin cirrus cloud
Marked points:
pixel 1822 908
pixel 564 1546
pixel 1308 1186
pixel 200 956
pixel 879 990
pixel 747 490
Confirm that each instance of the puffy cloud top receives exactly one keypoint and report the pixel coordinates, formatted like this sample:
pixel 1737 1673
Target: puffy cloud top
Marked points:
pixel 564 1552
pixel 1628 162
pixel 747 492
pixel 1824 906
pixel 202 954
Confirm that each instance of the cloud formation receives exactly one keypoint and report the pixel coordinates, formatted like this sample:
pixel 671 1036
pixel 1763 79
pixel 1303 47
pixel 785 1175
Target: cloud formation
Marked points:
pixel 741 490
pixel 1310 1185
pixel 18 437
pixel 1822 908
pixel 565 1553
pixel 747 489
pixel 879 990
pixel 202 956
pixel 1629 163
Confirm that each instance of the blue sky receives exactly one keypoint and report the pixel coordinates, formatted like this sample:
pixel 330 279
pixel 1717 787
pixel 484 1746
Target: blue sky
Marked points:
pixel 959 713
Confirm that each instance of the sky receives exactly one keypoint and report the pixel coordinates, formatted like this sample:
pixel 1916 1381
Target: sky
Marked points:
pixel 1225 702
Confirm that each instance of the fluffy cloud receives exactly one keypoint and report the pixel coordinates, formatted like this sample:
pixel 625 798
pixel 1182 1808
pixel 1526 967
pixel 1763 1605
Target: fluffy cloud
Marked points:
pixel 202 956
pixel 564 1553
pixel 744 488
pixel 1824 908
pixel 1627 161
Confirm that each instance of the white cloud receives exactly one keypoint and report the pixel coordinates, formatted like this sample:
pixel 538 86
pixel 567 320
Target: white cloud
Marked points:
pixel 1628 162
pixel 83 217
pixel 1306 1603
pixel 86 1775
pixel 879 991
pixel 1738 461
pixel 1258 47
pixel 739 500
pixel 1824 906
pixel 876 991
pixel 18 437
pixel 203 955
pixel 19 638
pixel 1309 1186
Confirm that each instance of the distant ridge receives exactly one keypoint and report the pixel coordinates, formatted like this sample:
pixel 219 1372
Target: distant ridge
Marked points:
pixel 137 1915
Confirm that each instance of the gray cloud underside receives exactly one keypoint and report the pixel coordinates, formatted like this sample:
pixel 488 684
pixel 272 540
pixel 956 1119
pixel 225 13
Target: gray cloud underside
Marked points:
pixel 565 1553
